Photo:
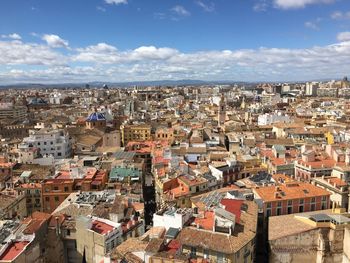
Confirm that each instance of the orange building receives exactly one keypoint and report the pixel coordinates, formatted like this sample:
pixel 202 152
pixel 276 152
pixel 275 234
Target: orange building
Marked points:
pixel 56 190
pixel 292 197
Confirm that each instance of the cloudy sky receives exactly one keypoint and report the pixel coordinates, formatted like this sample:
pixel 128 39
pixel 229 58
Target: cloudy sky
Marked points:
pixel 53 41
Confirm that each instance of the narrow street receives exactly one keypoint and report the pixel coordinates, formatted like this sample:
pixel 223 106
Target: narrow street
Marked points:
pixel 149 199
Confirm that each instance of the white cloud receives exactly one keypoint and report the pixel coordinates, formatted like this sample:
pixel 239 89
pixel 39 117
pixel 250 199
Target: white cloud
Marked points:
pixel 343 36
pixel 339 15
pixel 105 54
pixel 14 36
pixel 294 4
pixel 159 15
pixel 18 53
pixel 207 7
pixel 100 8
pixel 116 2
pixel 260 6
pixel 180 10
pixel 100 53
pixel 311 25
pixel 153 53
pixel 41 63
pixel 55 41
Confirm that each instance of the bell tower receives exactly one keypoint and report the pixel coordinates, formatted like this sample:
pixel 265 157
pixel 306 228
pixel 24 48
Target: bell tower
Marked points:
pixel 222 111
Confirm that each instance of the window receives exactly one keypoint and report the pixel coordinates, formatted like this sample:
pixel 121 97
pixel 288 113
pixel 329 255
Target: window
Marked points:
pixel 193 251
pixel 324 198
pixel 66 188
pixel 290 202
pixel 57 199
pixel 313 200
pixel 59 154
pixel 268 205
pixel 278 211
pixel 55 188
pixel 301 209
pixel 279 204
pixel 301 201
pixel 44 143
pixel 68 232
pixel 47 198
pixel 313 207
pixel 289 210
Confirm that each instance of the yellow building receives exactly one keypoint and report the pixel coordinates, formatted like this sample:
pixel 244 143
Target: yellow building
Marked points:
pixel 165 134
pixel 135 132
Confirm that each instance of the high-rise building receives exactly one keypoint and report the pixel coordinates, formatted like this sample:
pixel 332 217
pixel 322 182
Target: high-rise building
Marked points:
pixel 311 89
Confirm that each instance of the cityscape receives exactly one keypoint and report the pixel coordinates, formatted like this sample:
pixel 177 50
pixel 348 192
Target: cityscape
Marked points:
pixel 174 131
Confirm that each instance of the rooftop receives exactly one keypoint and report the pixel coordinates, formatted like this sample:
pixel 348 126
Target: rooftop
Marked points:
pixel 101 227
pixel 243 233
pixel 96 116
pixel 292 190
pixel 13 250
pixel 302 222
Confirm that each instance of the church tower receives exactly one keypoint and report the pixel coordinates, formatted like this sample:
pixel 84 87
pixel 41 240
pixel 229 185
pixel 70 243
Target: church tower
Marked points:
pixel 222 111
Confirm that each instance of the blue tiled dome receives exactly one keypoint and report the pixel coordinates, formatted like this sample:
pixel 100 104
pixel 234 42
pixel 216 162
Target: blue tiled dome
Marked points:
pixel 96 116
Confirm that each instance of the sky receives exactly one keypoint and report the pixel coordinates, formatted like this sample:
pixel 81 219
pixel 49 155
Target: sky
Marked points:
pixel 64 41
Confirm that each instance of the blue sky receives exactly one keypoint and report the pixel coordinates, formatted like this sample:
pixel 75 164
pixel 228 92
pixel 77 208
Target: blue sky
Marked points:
pixel 126 40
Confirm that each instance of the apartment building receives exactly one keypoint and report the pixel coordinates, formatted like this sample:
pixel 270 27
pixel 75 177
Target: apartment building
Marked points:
pixel 96 237
pixel 51 142
pixel 223 232
pixel 32 193
pixel 135 132
pixel 291 197
pixel 12 112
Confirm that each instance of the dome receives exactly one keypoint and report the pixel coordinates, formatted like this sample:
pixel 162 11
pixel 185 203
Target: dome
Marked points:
pixel 96 116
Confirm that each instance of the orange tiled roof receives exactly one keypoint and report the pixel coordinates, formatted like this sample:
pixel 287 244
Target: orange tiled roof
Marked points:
pixel 207 222
pixel 293 190
pixel 13 250
pixel 337 181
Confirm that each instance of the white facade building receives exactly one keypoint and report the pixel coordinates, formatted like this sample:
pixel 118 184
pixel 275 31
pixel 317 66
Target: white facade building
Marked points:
pixel 53 143
pixel 311 88
pixel 270 118
pixel 173 218
pixel 270 98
